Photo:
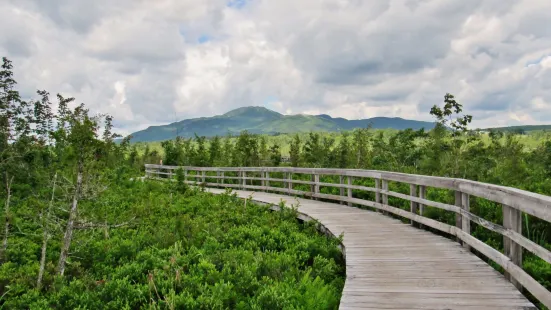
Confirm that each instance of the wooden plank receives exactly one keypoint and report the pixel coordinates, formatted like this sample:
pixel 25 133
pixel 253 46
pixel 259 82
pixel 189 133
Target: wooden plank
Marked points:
pixel 415 254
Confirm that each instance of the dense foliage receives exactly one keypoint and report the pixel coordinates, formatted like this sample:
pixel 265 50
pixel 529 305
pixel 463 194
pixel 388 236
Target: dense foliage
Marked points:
pixel 450 149
pixel 78 233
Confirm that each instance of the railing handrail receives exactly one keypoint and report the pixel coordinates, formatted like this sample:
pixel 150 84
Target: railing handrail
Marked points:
pixel 535 204
pixel 514 202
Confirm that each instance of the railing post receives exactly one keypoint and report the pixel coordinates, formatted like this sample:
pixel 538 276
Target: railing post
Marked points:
pixel 422 195
pixel 458 203
pixel 203 172
pixel 290 183
pixel 377 193
pixel 267 175
pixel 312 186
pixel 349 181
pixel 465 221
pixel 384 188
pixel 263 180
pixel 317 186
pixel 412 204
pixel 222 177
pixel 512 219
pixel 341 181
pixel 243 176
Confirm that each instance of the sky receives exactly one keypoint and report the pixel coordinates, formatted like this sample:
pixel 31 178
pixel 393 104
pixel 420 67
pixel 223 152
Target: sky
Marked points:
pixel 155 62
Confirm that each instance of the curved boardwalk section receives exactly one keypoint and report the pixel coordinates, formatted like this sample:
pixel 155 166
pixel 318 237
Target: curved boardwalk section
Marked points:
pixel 391 265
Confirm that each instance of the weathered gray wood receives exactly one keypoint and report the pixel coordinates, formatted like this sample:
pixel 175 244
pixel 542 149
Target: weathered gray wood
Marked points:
pixel 465 221
pixel 349 181
pixel 458 203
pixel 530 203
pixel 422 195
pixel 413 204
pixel 385 191
pixel 290 182
pixel 377 193
pixel 341 189
pixel 316 182
pixel 516 201
pixel 512 219
pixel 419 273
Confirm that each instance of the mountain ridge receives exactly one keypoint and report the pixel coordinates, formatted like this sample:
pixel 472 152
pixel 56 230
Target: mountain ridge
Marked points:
pixel 260 120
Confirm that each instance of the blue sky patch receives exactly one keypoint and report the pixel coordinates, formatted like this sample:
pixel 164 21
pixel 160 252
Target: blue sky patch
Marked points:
pixel 236 4
pixel 204 39
pixel 536 62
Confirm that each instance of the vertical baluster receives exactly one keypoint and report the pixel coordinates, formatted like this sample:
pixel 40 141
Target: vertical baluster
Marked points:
pixel 316 186
pixel 341 189
pixel 384 185
pixel 458 222
pixel 413 204
pixel 465 221
pixel 377 193
pixel 422 195
pixel 290 183
pixel 512 219
pixel 349 181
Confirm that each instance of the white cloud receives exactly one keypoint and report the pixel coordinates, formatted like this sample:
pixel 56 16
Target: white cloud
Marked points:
pixel 144 62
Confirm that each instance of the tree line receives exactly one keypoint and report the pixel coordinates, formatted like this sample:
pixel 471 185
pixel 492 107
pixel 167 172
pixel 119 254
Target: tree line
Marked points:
pixel 51 162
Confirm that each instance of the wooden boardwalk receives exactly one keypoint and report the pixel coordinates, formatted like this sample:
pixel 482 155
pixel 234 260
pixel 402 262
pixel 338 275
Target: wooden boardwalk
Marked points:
pixel 392 265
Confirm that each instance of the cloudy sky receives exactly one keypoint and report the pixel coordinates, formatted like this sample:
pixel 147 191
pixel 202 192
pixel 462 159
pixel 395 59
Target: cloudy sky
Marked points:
pixel 151 62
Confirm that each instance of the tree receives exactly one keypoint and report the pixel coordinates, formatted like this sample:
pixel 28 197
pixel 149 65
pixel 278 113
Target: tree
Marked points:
pixel 215 151
pixel 275 155
pixel 445 115
pixel 295 151
pixel 343 151
pixel 82 144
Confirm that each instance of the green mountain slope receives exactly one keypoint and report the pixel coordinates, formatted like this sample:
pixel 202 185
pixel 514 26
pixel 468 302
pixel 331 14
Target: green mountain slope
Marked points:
pixel 264 121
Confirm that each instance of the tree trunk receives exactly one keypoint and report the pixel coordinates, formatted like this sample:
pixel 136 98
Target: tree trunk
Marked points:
pixel 68 236
pixel 7 214
pixel 45 238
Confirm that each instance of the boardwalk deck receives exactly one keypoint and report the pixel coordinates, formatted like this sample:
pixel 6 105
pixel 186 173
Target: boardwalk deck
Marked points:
pixel 392 265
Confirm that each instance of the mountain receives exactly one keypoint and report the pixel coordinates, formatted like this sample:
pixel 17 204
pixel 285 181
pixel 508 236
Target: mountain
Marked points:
pixel 264 121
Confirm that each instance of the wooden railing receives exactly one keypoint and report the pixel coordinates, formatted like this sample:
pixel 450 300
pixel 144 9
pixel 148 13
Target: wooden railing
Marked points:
pixel 514 202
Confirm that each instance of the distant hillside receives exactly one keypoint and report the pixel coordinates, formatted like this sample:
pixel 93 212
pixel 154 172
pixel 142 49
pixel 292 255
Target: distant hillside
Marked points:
pixel 523 128
pixel 264 121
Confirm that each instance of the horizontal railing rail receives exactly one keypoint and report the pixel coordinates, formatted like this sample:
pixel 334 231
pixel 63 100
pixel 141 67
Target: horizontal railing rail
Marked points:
pixel 514 203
